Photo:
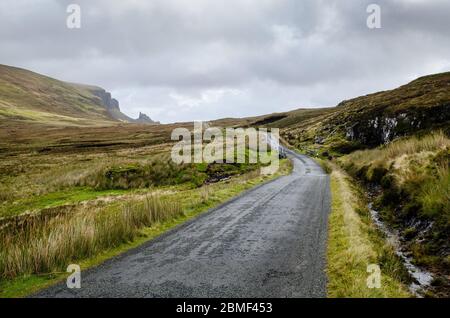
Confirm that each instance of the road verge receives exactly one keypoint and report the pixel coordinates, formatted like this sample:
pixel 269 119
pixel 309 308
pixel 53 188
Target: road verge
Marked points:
pixel 356 248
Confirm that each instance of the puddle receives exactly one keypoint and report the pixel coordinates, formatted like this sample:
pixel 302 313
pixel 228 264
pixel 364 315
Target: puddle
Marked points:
pixel 422 277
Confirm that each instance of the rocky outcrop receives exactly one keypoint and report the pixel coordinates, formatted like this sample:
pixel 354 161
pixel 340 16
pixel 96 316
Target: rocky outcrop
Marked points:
pixel 379 118
pixel 382 128
pixel 106 100
pixel 144 119
pixel 112 106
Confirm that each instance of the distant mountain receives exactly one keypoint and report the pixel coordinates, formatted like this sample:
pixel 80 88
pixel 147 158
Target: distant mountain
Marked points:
pixel 26 96
pixel 144 119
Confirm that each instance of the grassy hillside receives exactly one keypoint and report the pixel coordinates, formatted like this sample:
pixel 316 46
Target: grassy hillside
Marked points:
pixel 409 182
pixel 372 120
pixel 29 97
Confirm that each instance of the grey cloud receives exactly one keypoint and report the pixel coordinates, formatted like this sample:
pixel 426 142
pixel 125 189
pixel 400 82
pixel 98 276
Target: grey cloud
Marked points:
pixel 180 60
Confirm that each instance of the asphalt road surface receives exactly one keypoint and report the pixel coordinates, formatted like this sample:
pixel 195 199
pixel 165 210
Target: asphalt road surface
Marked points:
pixel 268 242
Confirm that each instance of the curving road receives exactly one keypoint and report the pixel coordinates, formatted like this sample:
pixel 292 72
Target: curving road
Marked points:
pixel 268 242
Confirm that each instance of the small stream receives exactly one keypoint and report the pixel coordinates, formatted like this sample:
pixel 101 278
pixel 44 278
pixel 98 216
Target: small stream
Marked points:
pixel 422 277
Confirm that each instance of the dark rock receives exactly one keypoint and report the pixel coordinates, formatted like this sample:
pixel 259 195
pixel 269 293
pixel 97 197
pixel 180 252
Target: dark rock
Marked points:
pixel 144 119
pixel 113 109
pixel 106 99
pixel 382 128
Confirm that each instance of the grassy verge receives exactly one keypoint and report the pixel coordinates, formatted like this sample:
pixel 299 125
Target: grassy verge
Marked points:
pixel 139 228
pixel 412 179
pixel 353 244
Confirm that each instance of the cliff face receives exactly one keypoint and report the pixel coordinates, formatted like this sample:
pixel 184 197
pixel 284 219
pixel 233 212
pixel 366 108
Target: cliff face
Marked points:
pixel 107 100
pixel 112 106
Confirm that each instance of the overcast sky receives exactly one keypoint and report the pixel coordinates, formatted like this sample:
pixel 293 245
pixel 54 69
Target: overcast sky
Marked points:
pixel 180 60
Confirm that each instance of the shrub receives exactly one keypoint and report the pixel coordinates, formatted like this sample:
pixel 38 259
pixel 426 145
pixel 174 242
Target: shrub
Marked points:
pixel 435 194
pixel 375 174
pixel 388 181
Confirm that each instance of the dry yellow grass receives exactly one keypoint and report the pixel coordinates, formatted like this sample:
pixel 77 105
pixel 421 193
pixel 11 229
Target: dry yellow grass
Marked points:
pixel 46 245
pixel 409 146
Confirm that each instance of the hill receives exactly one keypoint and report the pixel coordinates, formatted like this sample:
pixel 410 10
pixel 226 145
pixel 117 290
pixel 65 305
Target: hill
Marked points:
pixel 29 97
pixel 368 121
